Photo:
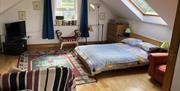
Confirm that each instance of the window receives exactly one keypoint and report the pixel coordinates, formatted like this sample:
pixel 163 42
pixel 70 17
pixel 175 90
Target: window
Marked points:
pixel 66 8
pixel 144 7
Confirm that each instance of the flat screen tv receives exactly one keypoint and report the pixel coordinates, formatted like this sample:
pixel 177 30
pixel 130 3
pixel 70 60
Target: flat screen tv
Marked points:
pixel 15 30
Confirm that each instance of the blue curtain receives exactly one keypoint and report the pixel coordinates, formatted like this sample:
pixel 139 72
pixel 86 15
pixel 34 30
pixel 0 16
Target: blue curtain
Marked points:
pixel 48 28
pixel 84 19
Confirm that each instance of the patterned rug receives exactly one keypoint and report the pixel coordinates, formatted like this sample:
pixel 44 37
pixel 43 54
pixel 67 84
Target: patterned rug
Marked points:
pixel 43 59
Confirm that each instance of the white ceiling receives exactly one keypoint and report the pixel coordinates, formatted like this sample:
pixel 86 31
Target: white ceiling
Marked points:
pixel 165 8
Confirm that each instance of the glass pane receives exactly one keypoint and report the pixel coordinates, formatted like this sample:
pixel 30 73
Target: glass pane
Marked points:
pixel 66 8
pixel 144 7
pixel 69 4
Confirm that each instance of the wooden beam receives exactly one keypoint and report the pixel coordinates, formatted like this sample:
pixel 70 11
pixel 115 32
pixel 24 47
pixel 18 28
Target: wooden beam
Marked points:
pixel 175 42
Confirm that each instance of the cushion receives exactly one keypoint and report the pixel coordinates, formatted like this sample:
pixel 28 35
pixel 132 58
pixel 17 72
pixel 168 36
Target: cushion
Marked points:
pixel 131 41
pixel 146 46
pixel 162 68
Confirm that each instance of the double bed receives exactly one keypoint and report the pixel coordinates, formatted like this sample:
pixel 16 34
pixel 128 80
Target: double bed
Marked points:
pixel 99 58
pixel 104 57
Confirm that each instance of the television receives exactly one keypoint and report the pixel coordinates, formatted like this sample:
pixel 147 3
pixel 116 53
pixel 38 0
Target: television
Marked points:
pixel 15 30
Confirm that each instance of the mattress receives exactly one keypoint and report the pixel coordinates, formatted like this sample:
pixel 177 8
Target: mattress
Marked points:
pixel 105 57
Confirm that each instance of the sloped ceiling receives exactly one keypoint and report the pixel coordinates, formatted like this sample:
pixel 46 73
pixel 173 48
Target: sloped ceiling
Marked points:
pixel 120 9
pixel 165 8
pixel 6 4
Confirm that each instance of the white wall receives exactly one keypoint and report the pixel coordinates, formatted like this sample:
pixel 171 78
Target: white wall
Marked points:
pixel 34 22
pixel 116 7
pixel 154 31
pixel 176 80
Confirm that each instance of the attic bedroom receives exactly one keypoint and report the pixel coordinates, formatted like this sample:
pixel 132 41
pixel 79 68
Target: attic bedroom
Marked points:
pixel 89 45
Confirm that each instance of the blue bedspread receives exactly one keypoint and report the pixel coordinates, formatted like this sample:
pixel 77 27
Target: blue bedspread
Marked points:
pixel 107 56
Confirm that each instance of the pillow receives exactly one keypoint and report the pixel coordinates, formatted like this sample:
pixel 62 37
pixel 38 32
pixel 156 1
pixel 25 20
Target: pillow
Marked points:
pixel 147 46
pixel 132 41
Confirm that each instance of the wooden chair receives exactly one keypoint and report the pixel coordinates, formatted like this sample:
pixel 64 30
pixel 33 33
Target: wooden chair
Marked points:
pixel 69 39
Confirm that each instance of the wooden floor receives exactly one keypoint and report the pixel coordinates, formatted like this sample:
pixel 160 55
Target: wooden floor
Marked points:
pixel 134 79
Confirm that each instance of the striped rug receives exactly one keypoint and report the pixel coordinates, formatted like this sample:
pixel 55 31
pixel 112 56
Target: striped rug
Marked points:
pixel 50 58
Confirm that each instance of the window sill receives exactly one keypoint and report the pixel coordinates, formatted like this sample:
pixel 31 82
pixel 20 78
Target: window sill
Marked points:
pixel 65 25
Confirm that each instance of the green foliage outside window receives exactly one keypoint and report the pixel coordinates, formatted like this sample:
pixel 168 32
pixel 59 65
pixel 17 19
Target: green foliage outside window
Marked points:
pixel 144 7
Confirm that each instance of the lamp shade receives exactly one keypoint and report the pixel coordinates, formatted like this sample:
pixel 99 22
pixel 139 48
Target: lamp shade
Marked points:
pixel 165 45
pixel 128 30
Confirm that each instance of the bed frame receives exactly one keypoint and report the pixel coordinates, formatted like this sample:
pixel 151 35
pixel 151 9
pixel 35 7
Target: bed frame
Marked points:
pixel 83 62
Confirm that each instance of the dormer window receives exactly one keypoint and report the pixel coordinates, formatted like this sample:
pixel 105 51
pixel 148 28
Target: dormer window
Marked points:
pixel 144 7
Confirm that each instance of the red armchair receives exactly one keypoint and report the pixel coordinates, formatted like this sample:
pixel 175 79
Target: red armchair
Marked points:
pixel 157 66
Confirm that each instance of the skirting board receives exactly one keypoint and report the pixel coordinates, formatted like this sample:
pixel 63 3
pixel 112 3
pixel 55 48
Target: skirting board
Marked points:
pixel 56 45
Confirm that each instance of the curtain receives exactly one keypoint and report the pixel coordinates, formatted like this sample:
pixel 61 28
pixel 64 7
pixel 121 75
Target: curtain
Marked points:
pixel 48 28
pixel 84 19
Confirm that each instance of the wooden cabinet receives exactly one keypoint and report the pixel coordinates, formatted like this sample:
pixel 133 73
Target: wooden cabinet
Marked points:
pixel 115 31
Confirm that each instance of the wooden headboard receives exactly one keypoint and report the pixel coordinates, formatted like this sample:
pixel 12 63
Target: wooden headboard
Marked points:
pixel 146 39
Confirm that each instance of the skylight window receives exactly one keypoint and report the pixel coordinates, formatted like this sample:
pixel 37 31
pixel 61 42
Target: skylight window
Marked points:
pixel 144 7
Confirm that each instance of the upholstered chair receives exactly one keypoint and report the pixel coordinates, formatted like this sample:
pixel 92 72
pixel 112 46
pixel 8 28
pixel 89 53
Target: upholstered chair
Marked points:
pixel 157 66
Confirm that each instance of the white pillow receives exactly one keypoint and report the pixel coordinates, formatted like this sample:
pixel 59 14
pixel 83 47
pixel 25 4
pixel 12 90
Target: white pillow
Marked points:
pixel 146 46
pixel 132 41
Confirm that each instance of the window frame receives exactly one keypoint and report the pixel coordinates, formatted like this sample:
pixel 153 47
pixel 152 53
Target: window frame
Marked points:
pixel 156 15
pixel 63 9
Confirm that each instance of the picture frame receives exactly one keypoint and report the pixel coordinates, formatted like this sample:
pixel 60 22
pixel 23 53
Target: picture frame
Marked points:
pixel 36 5
pixel 22 15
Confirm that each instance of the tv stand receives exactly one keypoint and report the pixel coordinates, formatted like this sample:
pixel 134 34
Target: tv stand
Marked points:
pixel 15 47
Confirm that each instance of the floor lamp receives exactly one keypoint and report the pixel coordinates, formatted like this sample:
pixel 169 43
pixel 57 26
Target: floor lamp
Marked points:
pixel 98 8
pixel 93 7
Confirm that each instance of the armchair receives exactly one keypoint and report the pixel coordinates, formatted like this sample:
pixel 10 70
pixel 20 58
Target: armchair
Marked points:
pixel 157 66
pixel 69 39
